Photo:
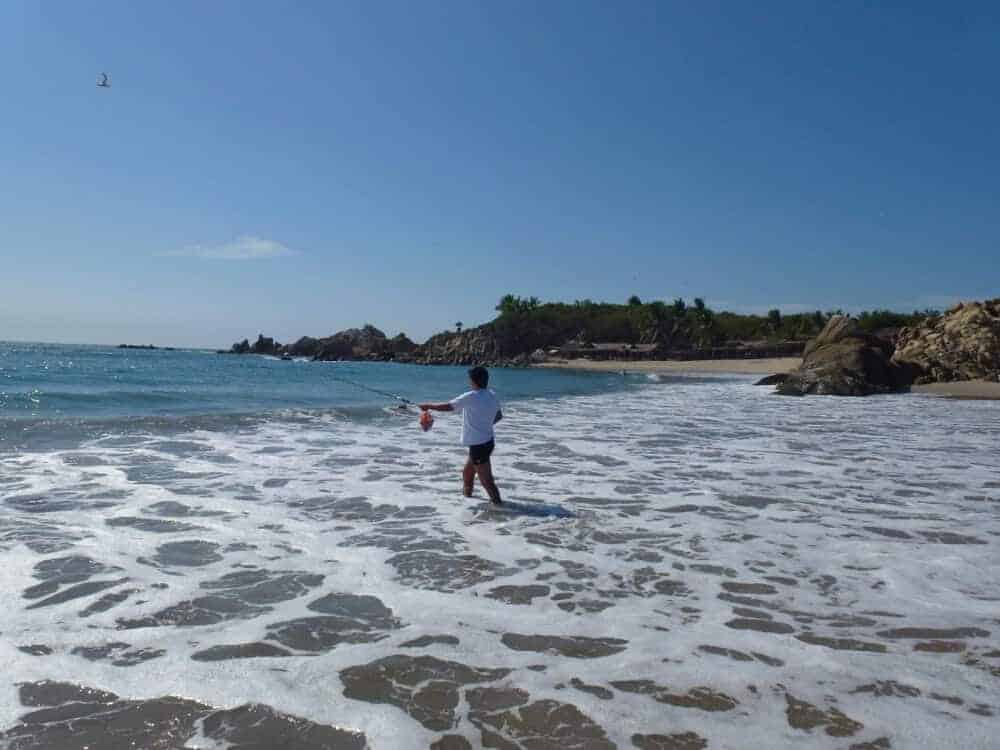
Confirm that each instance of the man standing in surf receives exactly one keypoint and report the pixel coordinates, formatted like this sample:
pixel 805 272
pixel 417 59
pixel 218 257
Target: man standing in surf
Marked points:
pixel 480 411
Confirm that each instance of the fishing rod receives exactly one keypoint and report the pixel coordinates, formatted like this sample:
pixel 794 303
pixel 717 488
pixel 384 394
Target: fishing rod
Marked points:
pixel 377 391
pixel 426 420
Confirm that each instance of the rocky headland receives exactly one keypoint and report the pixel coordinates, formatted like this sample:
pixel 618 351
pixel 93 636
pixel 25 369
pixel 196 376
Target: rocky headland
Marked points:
pixel 872 353
pixel 493 346
pixel 363 344
pixel 486 344
pixel 526 332
pixel 474 346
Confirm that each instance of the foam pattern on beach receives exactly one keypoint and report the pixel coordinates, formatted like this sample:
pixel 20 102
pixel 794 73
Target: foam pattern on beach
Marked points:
pixel 699 564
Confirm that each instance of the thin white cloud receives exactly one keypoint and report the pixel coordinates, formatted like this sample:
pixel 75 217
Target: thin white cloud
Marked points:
pixel 242 248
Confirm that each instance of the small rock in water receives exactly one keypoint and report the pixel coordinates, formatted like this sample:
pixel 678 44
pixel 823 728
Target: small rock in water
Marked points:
pixel 780 377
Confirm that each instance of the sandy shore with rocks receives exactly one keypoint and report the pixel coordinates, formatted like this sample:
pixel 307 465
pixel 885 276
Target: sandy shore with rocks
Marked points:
pixel 971 389
pixel 763 366
pixel 974 389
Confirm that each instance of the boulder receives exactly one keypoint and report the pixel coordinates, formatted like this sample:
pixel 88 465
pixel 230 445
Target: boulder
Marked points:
pixel 844 361
pixel 962 344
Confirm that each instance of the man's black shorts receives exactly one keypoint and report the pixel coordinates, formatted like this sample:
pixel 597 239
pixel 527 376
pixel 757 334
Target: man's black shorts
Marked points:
pixel 480 454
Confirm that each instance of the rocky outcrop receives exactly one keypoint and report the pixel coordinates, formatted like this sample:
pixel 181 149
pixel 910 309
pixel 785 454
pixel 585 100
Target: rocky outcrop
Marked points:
pixel 844 361
pixel 263 345
pixel 489 345
pixel 474 345
pixel 962 344
pixel 367 343
pixel 307 346
pixel 401 344
pixel 343 345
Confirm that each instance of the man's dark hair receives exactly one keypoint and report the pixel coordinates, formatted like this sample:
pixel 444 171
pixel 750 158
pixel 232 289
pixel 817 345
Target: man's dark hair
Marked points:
pixel 479 376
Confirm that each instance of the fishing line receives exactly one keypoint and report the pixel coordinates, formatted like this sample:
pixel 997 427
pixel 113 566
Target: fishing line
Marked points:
pixel 364 387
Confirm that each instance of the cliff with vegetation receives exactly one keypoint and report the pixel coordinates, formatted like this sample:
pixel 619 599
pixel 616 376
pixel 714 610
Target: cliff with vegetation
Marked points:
pixel 526 328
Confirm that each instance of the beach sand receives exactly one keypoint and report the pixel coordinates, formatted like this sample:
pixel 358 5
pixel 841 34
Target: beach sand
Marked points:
pixel 969 389
pixel 763 366
pixel 974 389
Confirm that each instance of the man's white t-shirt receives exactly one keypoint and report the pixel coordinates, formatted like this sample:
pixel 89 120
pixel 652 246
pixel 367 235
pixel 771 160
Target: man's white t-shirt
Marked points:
pixel 479 410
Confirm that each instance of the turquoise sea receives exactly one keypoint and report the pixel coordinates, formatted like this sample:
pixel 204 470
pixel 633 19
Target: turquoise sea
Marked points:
pixel 49 390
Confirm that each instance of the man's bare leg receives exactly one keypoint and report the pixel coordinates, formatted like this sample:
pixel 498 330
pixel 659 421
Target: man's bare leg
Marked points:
pixel 485 473
pixel 468 476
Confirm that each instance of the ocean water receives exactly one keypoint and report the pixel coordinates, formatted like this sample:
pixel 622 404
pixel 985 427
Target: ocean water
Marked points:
pixel 209 552
pixel 51 393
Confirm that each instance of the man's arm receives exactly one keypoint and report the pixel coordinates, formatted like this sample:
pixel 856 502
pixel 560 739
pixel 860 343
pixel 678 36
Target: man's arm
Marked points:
pixel 436 407
pixel 498 417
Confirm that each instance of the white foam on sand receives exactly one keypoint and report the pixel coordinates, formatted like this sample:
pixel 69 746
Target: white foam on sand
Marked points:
pixel 684 516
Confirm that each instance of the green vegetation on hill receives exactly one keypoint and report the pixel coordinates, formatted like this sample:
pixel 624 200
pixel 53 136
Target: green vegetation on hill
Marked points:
pixel 525 324
pixel 675 325
pixel 870 321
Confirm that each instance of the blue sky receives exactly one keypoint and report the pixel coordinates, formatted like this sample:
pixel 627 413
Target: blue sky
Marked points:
pixel 301 168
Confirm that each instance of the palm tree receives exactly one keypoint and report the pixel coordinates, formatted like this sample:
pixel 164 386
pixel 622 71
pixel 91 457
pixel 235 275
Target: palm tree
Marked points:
pixel 774 318
pixel 702 311
pixel 507 304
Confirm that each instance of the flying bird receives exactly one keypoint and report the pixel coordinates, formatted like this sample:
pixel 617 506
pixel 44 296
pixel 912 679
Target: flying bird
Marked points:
pixel 104 82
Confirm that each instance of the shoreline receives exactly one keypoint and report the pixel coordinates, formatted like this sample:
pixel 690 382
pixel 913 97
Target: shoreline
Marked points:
pixel 966 390
pixel 762 366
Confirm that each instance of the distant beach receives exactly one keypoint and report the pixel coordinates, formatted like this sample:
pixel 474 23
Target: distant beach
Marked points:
pixel 762 366
pixel 971 390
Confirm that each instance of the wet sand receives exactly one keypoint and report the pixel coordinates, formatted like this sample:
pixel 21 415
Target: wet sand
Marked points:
pixel 763 366
pixel 969 389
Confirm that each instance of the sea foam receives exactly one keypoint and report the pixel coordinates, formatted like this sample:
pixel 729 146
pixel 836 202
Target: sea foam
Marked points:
pixel 697 558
